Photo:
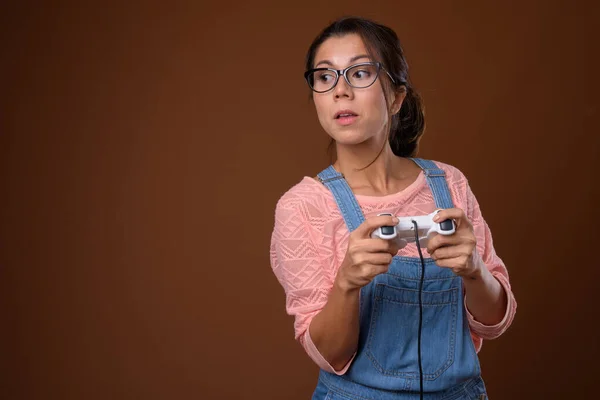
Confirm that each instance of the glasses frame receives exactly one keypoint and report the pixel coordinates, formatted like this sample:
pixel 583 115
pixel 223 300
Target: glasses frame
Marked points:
pixel 343 72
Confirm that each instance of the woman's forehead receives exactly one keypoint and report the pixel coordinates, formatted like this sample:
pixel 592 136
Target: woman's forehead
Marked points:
pixel 341 51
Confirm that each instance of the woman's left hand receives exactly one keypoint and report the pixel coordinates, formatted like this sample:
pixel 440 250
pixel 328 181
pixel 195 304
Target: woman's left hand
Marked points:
pixel 456 251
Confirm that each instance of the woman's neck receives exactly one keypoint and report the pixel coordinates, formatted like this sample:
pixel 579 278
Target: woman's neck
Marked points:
pixel 386 175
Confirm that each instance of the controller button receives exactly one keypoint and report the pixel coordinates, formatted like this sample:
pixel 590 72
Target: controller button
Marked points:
pixel 387 230
pixel 446 225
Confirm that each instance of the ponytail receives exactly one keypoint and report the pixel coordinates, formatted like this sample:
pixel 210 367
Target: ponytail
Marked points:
pixel 408 125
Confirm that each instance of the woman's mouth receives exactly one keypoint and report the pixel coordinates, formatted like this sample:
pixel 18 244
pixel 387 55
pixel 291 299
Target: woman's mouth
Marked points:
pixel 345 117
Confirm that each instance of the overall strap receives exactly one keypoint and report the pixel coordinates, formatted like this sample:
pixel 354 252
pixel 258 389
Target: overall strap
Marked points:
pixel 344 197
pixel 436 179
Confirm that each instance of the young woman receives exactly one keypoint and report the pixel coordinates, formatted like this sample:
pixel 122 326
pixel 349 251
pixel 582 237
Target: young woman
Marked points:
pixel 384 319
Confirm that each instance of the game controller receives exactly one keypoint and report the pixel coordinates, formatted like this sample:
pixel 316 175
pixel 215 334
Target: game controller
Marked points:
pixel 404 230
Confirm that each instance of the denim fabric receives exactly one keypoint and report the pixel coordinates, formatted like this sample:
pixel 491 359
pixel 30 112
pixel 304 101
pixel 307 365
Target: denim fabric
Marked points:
pixel 386 364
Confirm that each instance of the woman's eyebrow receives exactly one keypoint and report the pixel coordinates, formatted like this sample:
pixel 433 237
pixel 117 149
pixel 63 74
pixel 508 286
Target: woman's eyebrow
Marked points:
pixel 351 60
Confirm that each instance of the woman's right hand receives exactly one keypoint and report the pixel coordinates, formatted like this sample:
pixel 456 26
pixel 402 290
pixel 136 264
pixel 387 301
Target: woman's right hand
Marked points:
pixel 367 257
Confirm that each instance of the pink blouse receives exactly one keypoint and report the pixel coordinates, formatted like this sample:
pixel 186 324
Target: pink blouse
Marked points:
pixel 310 239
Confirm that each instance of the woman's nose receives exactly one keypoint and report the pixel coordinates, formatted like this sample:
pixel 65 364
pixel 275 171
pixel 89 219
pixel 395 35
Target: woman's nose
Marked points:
pixel 342 89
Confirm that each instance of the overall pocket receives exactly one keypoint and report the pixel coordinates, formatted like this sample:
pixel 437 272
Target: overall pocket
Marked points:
pixel 393 333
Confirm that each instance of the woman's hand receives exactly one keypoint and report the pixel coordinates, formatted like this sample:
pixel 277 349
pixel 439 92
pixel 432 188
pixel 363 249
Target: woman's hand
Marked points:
pixel 367 257
pixel 456 251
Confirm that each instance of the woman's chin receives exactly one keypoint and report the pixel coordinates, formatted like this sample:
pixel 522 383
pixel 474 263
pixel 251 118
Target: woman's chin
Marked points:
pixel 349 137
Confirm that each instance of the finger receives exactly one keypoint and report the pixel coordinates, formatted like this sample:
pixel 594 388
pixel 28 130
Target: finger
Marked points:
pixel 436 241
pixel 370 224
pixel 457 264
pixel 363 260
pixel 457 214
pixel 373 270
pixel 451 252
pixel 381 269
pixel 385 246
pixel 378 259
pixel 450 262
pixel 376 245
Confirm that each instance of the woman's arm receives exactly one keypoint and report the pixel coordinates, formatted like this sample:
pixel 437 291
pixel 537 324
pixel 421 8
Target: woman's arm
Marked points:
pixel 489 300
pixel 325 303
pixel 486 299
pixel 334 331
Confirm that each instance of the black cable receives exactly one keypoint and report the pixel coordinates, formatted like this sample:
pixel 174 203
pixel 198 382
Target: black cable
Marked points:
pixel 420 307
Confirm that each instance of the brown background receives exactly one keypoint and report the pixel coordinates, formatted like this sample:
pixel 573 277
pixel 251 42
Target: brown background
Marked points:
pixel 143 148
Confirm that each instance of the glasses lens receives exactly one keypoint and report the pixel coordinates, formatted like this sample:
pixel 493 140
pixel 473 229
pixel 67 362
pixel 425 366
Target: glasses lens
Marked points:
pixel 321 81
pixel 362 76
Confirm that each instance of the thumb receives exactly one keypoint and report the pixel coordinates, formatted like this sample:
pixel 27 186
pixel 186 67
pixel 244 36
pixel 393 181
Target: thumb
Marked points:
pixel 365 229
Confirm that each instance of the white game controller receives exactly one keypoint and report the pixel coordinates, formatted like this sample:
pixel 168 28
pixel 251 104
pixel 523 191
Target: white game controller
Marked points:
pixel 405 229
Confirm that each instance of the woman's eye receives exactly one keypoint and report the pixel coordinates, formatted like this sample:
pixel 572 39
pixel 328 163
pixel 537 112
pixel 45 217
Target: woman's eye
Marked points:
pixel 325 77
pixel 361 74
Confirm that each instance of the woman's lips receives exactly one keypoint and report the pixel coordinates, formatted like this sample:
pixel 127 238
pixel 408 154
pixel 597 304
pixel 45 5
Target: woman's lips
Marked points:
pixel 345 120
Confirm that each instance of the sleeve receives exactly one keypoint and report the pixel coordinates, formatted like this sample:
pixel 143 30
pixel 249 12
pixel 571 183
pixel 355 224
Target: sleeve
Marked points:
pixel 485 250
pixel 298 266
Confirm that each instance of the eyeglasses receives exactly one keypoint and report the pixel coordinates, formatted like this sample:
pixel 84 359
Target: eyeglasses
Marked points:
pixel 359 76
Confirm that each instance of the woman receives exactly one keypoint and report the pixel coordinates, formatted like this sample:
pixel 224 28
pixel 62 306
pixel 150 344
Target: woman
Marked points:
pixel 384 319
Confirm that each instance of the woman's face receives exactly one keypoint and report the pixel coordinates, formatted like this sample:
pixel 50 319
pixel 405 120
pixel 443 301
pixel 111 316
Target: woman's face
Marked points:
pixel 368 105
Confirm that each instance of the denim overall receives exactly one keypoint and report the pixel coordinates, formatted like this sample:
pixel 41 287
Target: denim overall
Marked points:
pixel 386 364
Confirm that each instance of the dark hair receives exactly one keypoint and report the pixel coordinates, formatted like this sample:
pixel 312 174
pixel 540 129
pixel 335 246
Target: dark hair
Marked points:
pixel 406 126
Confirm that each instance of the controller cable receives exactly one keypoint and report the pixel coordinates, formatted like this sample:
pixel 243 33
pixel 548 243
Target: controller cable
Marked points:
pixel 420 308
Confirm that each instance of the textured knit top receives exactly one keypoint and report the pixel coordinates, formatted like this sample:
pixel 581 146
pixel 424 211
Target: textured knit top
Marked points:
pixel 310 239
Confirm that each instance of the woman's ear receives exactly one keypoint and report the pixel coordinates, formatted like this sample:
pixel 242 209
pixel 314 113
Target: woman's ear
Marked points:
pixel 399 97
